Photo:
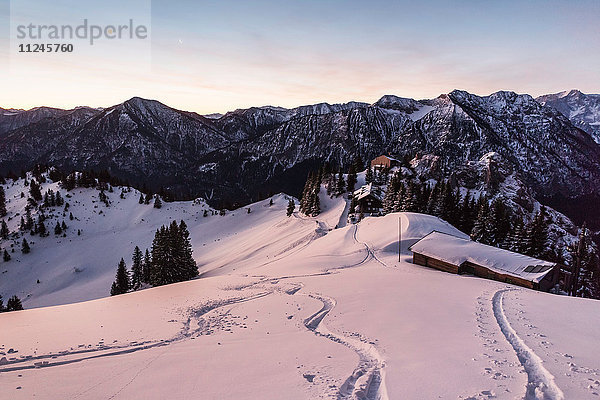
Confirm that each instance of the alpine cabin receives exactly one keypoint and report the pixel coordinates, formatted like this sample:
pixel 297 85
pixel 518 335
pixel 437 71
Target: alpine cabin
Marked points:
pixel 369 199
pixel 384 162
pixel 463 256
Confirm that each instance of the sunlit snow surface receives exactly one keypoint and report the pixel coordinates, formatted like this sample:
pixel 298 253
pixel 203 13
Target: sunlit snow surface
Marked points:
pixel 286 308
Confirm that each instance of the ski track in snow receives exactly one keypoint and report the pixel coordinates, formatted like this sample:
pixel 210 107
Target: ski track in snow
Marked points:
pixel 370 252
pixel 540 382
pixel 367 381
pixel 67 357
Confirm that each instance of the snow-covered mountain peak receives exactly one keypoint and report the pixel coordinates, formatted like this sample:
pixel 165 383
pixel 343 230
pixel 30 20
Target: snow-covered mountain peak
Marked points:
pixel 498 101
pixel 145 105
pixel 582 109
pixel 397 103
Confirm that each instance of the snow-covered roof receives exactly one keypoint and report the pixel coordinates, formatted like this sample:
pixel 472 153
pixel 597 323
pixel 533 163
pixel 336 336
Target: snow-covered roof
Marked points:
pixel 455 250
pixel 367 190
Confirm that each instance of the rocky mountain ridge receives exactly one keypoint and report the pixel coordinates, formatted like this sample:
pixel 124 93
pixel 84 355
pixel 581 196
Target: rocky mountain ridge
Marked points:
pixel 249 153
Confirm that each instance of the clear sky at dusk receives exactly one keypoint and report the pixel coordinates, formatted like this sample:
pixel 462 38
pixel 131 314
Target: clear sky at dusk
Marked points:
pixel 214 56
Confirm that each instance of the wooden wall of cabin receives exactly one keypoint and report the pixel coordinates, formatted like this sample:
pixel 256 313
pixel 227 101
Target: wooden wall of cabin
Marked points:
pixel 434 263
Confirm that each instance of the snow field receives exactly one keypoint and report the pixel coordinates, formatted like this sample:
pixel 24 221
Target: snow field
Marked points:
pixel 286 307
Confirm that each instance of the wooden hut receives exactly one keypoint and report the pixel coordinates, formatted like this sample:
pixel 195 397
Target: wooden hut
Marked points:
pixel 369 199
pixel 462 256
pixel 384 162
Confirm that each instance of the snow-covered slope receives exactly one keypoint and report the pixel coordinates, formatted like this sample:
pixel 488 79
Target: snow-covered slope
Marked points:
pixel 82 267
pixel 289 307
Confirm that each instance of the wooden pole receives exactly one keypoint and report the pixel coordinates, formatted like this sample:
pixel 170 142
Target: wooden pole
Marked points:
pixel 399 237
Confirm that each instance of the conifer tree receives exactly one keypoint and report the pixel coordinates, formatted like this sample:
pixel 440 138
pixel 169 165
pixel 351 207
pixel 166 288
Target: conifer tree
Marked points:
pixel 369 175
pixel 399 201
pixel 340 185
pixel 306 197
pixel 41 227
pixel 157 202
pixel 465 223
pixel 28 219
pixel 411 198
pixel 14 304
pixel 423 197
pixel 390 195
pixel 137 273
pixel 122 282
pixel 46 200
pixel 4 230
pixel 103 197
pixel 6 256
pixel 353 204
pixel 497 223
pixel 141 200
pixel 358 163
pixel 2 202
pixel 25 249
pixel 537 234
pixel 59 200
pixel 316 204
pixel 434 202
pixel 514 238
pixel 189 267
pixel 479 232
pixel 290 207
pixel 330 183
pixel 160 258
pixel 147 266
pixel 57 229
pixel 351 178
pixel 449 204
pixel 34 190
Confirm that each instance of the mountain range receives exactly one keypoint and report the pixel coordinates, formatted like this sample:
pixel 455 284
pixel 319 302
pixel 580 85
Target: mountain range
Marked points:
pixel 246 154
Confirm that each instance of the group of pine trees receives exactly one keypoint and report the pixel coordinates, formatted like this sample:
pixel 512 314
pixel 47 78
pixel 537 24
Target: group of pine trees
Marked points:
pixel 53 199
pixel 377 177
pixel 86 179
pixel 585 279
pixel 4 232
pixel 492 222
pixel 336 184
pixel 146 199
pixel 169 261
pixel 290 207
pixel 488 222
pixel 309 202
pixel 13 304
